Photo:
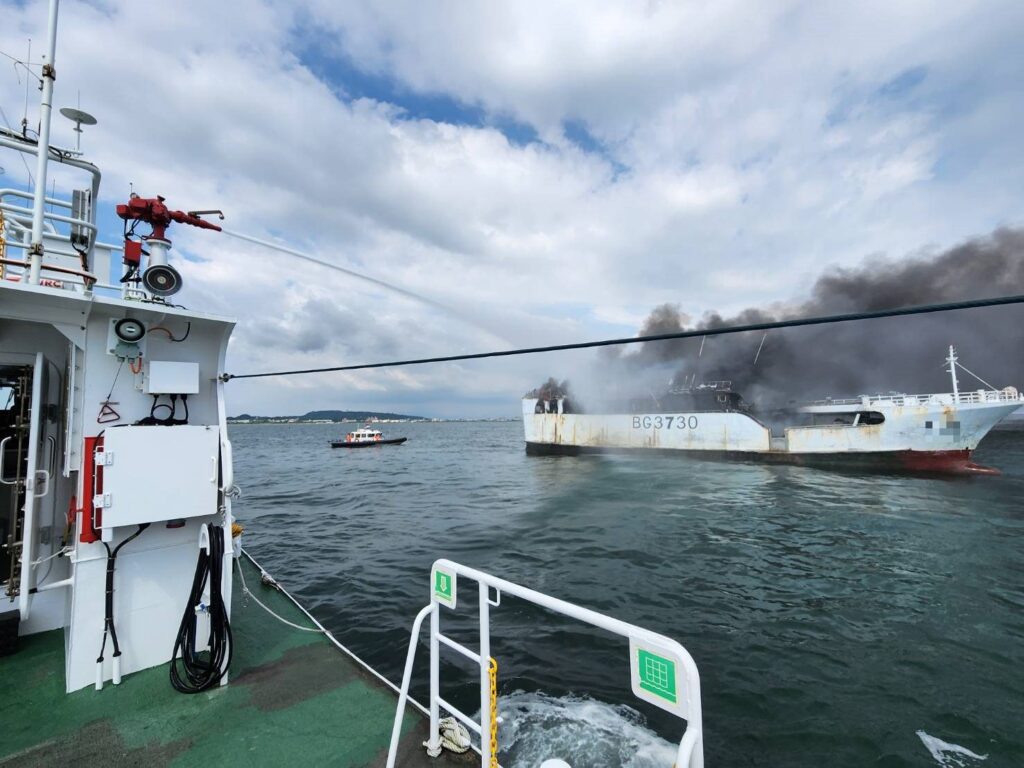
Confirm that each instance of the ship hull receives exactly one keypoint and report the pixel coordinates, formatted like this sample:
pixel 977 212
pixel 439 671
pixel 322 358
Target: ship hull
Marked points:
pixel 917 437
pixel 913 462
pixel 367 443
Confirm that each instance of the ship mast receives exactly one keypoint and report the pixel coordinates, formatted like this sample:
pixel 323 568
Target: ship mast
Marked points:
pixel 952 372
pixel 49 74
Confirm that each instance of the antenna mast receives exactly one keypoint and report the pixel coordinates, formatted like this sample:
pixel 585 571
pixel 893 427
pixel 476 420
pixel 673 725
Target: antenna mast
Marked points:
pixel 952 372
pixel 35 252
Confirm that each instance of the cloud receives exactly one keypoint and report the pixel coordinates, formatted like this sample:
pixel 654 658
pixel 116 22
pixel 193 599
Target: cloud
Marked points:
pixel 516 160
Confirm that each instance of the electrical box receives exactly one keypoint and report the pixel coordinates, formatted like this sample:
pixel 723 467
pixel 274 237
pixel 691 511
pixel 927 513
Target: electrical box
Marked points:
pixel 157 473
pixel 166 378
pixel 81 208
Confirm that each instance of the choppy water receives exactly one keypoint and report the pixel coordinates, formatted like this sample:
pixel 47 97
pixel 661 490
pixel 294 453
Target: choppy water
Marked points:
pixel 832 616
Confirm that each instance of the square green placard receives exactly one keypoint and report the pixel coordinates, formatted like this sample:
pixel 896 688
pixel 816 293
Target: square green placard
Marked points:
pixel 656 676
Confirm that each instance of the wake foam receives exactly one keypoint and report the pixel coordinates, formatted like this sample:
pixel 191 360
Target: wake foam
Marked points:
pixel 949 755
pixel 583 732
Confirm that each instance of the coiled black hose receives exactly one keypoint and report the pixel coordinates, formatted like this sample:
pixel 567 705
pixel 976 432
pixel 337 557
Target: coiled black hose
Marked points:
pixel 196 671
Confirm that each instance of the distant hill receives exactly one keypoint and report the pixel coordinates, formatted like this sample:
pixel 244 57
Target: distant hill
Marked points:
pixel 358 416
pixel 330 416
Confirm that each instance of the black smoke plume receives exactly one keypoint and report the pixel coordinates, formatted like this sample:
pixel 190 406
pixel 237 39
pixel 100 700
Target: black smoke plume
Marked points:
pixel 902 354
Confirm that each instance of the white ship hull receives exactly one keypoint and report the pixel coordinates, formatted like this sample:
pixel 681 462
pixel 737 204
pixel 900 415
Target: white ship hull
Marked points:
pixel 917 433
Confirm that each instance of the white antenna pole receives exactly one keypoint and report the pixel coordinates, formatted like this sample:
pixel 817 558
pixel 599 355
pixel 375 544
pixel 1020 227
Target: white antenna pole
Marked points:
pixel 35 252
pixel 952 372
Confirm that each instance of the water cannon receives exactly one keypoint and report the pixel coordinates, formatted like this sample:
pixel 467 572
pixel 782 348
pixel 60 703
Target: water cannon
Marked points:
pixel 160 278
pixel 153 211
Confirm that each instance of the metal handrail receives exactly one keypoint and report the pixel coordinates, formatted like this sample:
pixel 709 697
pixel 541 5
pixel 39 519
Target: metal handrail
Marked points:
pixel 88 277
pixel 677 689
pixel 3 446
pixel 977 396
pixel 12 192
pixel 17 209
pixel 12 141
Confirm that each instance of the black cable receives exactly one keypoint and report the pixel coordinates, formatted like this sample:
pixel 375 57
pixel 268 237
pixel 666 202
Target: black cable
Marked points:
pixel 724 330
pixel 114 382
pixel 171 336
pixel 201 670
pixel 131 274
pixel 108 414
pixel 173 418
pixel 108 611
pixel 153 419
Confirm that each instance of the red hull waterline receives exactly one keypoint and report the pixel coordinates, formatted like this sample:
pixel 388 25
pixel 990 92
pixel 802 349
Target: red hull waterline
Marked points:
pixel 945 462
pixel 912 462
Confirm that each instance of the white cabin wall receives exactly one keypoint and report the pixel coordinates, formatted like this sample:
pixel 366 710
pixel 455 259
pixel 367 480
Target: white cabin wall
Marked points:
pixel 202 346
pixel 904 429
pixel 154 572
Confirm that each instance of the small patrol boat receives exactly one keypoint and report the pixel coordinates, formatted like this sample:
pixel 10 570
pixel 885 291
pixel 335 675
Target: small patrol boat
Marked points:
pixel 365 437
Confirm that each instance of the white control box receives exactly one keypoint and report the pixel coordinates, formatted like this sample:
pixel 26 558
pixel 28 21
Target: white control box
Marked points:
pixel 167 378
pixel 157 473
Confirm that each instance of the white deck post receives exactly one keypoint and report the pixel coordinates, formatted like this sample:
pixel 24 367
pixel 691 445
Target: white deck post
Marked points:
pixel 35 253
pixel 434 740
pixel 485 677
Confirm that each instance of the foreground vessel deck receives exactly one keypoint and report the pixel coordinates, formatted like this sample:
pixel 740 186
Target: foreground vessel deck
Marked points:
pixel 294 699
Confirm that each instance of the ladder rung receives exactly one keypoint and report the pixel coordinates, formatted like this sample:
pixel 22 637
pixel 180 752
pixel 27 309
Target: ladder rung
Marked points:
pixel 466 720
pixel 459 647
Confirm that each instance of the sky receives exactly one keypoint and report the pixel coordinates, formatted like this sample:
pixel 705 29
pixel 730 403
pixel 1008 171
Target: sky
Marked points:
pixel 541 172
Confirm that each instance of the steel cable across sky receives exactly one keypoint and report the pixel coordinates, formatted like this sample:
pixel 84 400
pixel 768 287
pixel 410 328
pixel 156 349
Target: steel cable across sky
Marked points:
pixel 921 309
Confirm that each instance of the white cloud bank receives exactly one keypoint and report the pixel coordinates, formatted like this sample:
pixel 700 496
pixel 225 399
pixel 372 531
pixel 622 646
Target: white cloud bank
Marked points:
pixel 715 155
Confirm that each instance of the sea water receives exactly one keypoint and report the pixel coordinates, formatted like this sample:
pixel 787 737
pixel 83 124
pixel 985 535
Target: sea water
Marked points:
pixel 835 618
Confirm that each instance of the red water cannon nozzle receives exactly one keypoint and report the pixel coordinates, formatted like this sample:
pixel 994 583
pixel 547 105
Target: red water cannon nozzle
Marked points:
pixel 154 212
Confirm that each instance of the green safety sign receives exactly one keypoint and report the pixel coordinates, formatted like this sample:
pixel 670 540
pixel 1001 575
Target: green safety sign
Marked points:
pixel 443 587
pixel 656 676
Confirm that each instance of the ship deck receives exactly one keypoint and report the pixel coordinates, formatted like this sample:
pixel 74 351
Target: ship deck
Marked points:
pixel 294 698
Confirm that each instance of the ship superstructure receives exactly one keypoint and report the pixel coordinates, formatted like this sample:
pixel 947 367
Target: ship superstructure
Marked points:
pixel 114 446
pixel 925 432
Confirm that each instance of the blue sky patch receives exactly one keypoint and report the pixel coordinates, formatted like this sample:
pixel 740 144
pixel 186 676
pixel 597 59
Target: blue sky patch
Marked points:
pixel 903 83
pixel 338 70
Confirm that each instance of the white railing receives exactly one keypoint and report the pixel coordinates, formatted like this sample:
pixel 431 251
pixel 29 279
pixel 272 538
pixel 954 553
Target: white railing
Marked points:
pixel 940 398
pixel 662 672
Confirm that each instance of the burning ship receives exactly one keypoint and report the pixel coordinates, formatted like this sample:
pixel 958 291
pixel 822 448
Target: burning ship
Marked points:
pixel 916 433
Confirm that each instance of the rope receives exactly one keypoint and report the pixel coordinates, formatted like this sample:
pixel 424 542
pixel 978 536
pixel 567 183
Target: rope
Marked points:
pixel 494 712
pixel 58 553
pixel 724 330
pixel 246 590
pixel 453 735
pixel 972 373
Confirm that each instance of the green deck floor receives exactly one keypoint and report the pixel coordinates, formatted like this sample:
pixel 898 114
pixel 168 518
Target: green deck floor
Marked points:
pixel 294 699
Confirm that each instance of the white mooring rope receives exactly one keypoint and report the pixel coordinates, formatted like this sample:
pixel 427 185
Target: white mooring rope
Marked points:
pixel 246 590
